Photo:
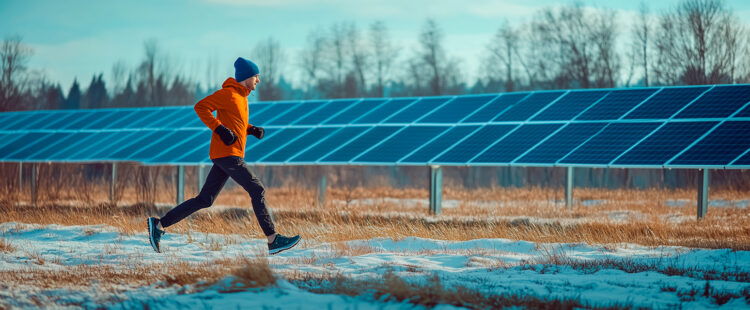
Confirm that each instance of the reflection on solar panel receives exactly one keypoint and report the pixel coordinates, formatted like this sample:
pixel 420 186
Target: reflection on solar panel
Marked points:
pixel 720 101
pixel 700 126
pixel 720 147
pixel 665 143
pixel 616 103
pixel 609 143
pixel 513 145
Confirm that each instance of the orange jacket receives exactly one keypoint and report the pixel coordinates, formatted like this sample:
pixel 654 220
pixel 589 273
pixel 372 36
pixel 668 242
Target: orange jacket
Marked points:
pixel 231 103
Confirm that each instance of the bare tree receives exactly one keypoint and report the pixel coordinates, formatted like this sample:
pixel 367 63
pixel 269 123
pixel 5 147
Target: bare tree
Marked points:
pixel 269 56
pixel 432 54
pixel 384 54
pixel 360 59
pixel 13 58
pixel 641 30
pixel 502 51
pixel 153 73
pixel 312 59
pixel 698 43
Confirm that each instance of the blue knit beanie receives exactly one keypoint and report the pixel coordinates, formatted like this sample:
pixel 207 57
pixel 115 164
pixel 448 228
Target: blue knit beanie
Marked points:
pixel 244 69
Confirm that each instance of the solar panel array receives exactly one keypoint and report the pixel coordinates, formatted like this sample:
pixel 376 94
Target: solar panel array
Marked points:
pixel 671 127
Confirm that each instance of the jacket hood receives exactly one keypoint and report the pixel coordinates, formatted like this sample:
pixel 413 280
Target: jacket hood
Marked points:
pixel 232 83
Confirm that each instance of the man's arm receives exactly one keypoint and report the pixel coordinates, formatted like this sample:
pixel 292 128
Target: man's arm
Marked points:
pixel 205 109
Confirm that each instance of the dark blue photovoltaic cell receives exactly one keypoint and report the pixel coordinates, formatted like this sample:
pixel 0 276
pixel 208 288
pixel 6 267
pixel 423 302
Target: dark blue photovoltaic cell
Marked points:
pixel 610 143
pixel 721 101
pixel 148 118
pixel 128 148
pixel 744 113
pixel 528 107
pixel 358 110
pixel 743 161
pixel 195 122
pixel 62 120
pixel 432 149
pixel 326 112
pixel 84 120
pixel 22 141
pixel 616 103
pixel 516 143
pixel 272 143
pixel 16 120
pixel 199 154
pixel 33 146
pixel 127 117
pixel 720 147
pixel 474 144
pixel 167 117
pixel 101 144
pixel 180 119
pixel 384 111
pixel 416 110
pixel 63 152
pixel 167 140
pixel 570 105
pixel 559 145
pixel 7 138
pixel 355 147
pixel 328 144
pixel 401 144
pixel 102 120
pixel 310 138
pixel 262 117
pixel 36 122
pixel 6 118
pixel 665 143
pixel 63 143
pixel 666 103
pixel 194 138
pixel 497 106
pixel 457 109
pixel 295 113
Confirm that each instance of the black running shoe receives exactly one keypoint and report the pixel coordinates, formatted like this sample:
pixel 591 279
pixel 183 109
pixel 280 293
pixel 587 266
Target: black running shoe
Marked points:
pixel 154 233
pixel 282 243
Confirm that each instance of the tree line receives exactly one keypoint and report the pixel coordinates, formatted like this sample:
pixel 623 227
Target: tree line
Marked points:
pixel 565 47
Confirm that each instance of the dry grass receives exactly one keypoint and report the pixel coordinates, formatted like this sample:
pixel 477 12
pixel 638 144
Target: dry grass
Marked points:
pixel 6 247
pixel 631 216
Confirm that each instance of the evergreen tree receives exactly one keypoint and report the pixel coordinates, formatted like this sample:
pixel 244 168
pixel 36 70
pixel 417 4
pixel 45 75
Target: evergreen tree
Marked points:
pixel 74 96
pixel 54 97
pixel 96 95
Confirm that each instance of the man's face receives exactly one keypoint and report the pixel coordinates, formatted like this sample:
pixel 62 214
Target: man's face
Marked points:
pixel 250 83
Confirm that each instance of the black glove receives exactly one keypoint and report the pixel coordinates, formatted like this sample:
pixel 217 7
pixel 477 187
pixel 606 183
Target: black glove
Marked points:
pixel 226 135
pixel 256 131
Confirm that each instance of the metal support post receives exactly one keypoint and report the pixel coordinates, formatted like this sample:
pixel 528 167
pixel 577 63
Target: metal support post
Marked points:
pixel 20 177
pixel 436 189
pixel 703 193
pixel 201 178
pixel 322 186
pixel 113 183
pixel 33 184
pixel 180 184
pixel 569 177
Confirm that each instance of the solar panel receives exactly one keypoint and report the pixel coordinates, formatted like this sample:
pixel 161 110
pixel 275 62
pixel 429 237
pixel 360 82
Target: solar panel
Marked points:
pixel 165 141
pixel 84 119
pixel 720 147
pixel 22 141
pixel 126 117
pixel 306 140
pixel 384 111
pixel 262 118
pixel 416 110
pixel 516 143
pixel 561 143
pixel 357 110
pixel 721 101
pixel 33 146
pixel 494 108
pixel 666 103
pixel 570 105
pixel 62 119
pixel 401 144
pixel 299 110
pixel 97 147
pixel 149 118
pixel 7 138
pixel 328 144
pixel 529 106
pixel 609 143
pixel 742 161
pixel 474 144
pixel 127 149
pixel 360 144
pixel 616 103
pixel 180 119
pixel 103 119
pixel 327 111
pixel 665 143
pixel 36 122
pixel 200 154
pixel 457 109
pixel 428 151
pixel 193 138
pixel 269 144
pixel 55 146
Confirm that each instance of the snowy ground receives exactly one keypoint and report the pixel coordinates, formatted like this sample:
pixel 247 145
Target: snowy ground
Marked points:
pixel 661 277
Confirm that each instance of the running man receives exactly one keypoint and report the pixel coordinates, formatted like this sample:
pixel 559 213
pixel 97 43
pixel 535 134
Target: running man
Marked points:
pixel 231 128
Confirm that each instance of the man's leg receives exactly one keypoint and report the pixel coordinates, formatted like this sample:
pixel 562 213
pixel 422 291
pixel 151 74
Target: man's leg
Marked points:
pixel 236 169
pixel 214 183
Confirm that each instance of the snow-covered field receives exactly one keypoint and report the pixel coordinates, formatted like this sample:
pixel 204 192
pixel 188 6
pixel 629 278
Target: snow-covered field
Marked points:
pixel 620 275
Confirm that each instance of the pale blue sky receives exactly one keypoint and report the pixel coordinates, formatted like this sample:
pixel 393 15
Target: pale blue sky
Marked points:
pixel 76 38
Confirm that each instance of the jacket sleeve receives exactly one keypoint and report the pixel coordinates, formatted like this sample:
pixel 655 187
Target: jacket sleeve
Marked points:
pixel 207 106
